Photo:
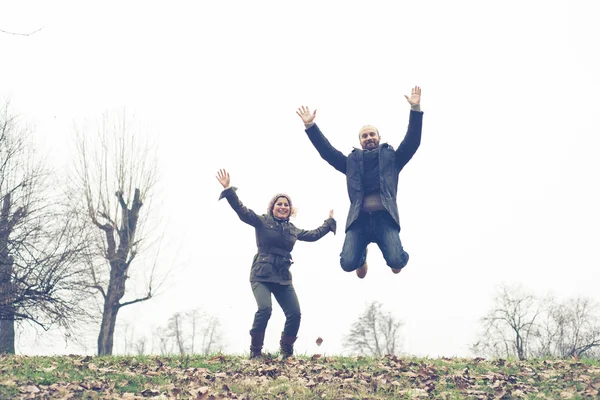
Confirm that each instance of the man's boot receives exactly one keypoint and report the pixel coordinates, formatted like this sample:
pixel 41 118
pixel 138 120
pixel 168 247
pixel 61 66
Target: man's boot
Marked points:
pixel 362 271
pixel 286 345
pixel 256 344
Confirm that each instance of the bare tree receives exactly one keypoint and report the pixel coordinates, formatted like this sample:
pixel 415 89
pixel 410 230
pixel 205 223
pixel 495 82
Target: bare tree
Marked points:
pixel 165 345
pixel 39 278
pixel 194 317
pixel 126 332
pixel 175 329
pixel 374 333
pixel 522 325
pixel 210 332
pixel 570 329
pixel 185 329
pixel 511 327
pixel 584 327
pixel 140 346
pixel 115 175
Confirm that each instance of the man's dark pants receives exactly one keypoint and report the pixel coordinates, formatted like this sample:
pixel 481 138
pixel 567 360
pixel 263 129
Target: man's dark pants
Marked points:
pixel 373 227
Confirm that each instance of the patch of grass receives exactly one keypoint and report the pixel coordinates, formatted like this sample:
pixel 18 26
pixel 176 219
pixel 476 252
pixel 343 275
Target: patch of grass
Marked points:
pixel 347 363
pixel 590 362
pixel 8 392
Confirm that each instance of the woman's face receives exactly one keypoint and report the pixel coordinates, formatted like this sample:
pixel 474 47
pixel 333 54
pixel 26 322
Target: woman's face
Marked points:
pixel 281 208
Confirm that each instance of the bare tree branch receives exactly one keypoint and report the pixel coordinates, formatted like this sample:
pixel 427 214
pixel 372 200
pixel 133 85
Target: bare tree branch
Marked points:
pixel 100 289
pixel 21 34
pixel 127 303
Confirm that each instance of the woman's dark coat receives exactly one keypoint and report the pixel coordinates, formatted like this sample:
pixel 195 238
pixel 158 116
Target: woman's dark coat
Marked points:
pixel 275 240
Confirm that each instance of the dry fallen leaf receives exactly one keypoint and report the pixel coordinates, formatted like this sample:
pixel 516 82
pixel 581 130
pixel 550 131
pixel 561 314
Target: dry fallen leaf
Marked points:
pixel 30 389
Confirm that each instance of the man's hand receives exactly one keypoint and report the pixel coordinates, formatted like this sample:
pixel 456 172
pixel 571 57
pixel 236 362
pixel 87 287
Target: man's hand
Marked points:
pixel 223 178
pixel 330 213
pixel 306 116
pixel 415 96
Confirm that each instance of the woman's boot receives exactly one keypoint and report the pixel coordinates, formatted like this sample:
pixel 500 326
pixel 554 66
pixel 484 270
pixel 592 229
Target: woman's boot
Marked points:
pixel 256 344
pixel 286 345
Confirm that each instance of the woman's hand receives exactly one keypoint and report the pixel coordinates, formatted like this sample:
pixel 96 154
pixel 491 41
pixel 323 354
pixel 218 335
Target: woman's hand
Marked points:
pixel 223 178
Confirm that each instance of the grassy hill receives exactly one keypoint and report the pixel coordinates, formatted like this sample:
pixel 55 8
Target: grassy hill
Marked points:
pixel 301 377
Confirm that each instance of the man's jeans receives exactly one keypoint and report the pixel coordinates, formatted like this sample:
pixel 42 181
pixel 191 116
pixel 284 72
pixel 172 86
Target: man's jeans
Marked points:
pixel 287 299
pixel 373 227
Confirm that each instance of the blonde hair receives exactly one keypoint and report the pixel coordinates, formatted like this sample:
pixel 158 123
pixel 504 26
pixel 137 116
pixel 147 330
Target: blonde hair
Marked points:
pixel 274 199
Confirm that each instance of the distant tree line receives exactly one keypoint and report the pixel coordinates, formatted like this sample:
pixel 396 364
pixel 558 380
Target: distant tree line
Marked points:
pixel 523 326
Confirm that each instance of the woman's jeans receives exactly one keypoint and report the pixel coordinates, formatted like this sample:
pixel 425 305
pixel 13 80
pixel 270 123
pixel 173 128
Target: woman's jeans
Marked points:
pixel 287 299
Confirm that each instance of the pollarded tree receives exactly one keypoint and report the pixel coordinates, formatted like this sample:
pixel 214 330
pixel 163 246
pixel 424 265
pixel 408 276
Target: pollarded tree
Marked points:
pixel 114 177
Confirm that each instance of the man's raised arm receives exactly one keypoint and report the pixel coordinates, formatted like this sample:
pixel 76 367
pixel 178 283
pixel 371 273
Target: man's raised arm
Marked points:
pixel 329 153
pixel 412 139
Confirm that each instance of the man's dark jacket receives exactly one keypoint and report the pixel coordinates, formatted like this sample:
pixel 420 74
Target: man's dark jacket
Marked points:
pixel 390 164
pixel 275 240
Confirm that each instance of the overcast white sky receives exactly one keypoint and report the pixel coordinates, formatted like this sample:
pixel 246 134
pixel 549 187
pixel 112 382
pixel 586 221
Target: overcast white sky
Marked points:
pixel 504 187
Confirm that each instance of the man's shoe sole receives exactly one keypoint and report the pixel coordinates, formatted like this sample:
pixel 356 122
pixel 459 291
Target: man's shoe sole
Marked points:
pixel 362 271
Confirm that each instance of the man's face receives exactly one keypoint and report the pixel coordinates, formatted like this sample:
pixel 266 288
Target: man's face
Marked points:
pixel 369 137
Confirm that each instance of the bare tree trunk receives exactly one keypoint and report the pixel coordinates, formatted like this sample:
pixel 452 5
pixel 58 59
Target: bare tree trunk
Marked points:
pixel 193 316
pixel 208 337
pixel 193 335
pixel 7 309
pixel 7 295
pixel 175 331
pixel 114 293
pixel 520 350
pixel 373 321
pixel 119 260
pixel 107 328
pixel 179 334
pixel 7 336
